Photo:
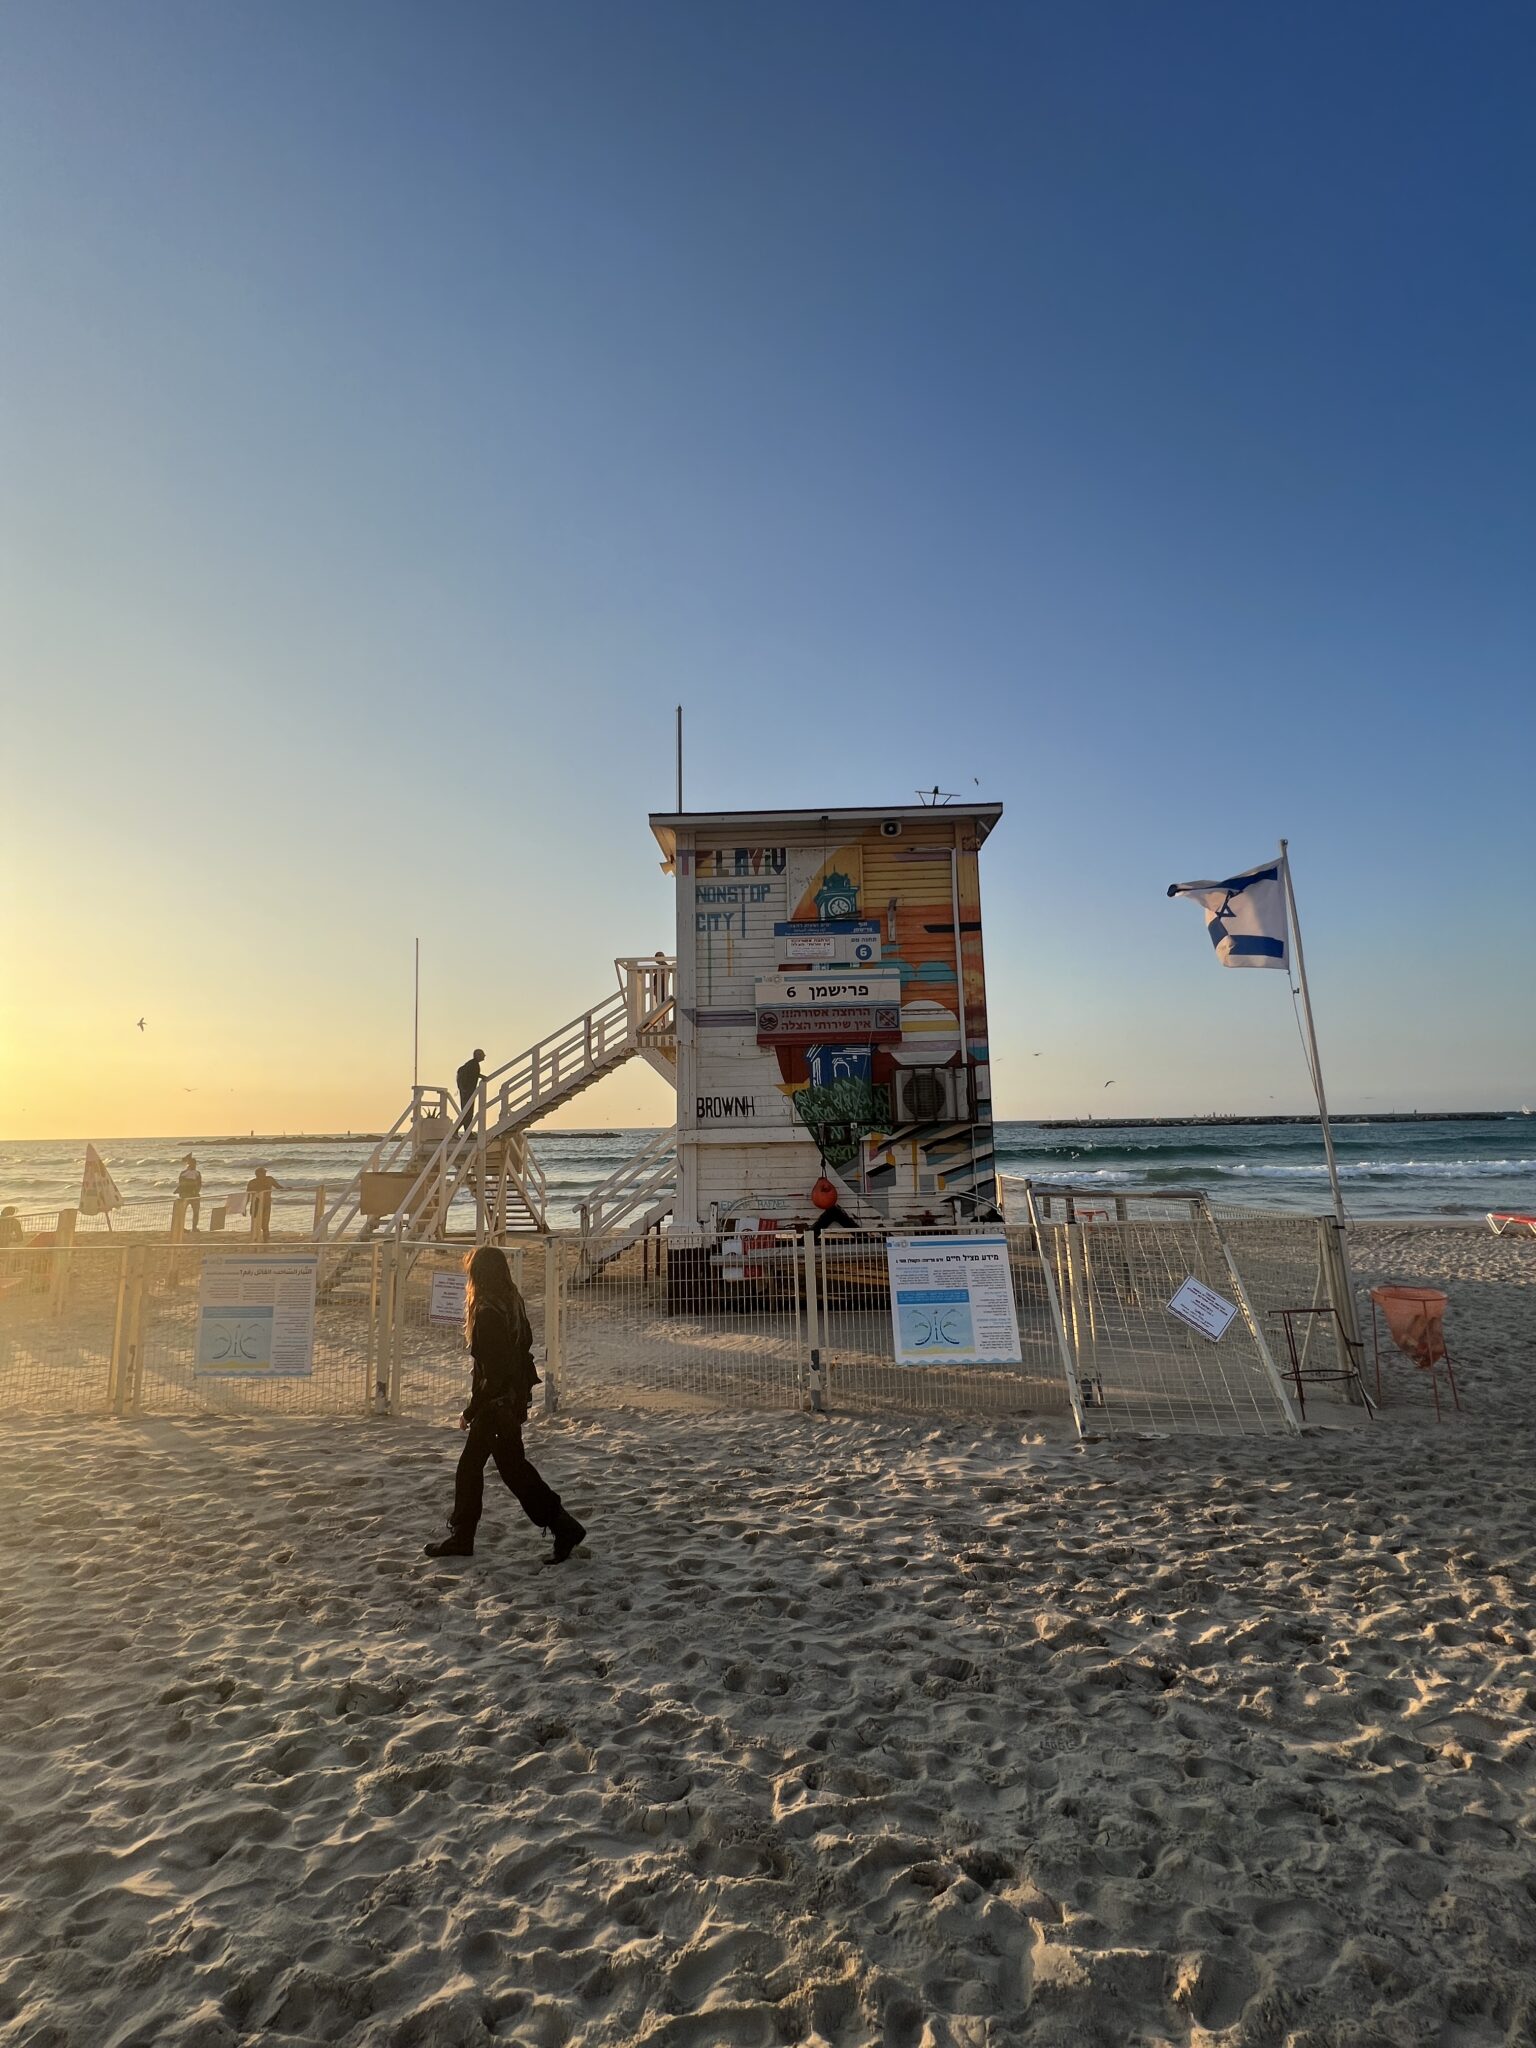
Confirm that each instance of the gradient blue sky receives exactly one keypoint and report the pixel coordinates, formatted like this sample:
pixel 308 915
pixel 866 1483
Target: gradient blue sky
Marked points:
pixel 1130 407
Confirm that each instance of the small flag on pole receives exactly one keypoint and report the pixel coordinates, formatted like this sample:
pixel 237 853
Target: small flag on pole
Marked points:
pixel 1245 916
pixel 98 1190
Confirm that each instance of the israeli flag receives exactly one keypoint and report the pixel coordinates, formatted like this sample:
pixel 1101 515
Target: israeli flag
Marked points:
pixel 1245 916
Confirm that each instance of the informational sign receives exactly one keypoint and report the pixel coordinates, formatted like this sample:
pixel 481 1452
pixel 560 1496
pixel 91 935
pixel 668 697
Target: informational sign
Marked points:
pixel 445 1303
pixel 952 1301
pixel 811 1010
pixel 256 1317
pixel 98 1190
pixel 851 943
pixel 1203 1309
pixel 869 1023
pixel 883 986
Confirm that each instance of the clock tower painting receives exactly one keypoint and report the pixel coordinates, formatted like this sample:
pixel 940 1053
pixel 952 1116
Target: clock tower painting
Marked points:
pixel 837 899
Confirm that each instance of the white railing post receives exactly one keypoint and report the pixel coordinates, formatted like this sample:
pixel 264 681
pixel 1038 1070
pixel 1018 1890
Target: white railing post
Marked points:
pixel 117 1374
pixel 399 1281
pixel 481 1219
pixel 63 1243
pixel 552 1359
pixel 1054 1307
pixel 813 1395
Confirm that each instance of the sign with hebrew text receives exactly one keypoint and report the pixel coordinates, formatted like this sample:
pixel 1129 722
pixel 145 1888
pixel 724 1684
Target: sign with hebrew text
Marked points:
pixel 952 1301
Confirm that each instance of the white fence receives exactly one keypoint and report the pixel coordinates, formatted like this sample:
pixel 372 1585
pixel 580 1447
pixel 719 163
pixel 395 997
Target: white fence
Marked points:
pixel 672 1322
pixel 103 1328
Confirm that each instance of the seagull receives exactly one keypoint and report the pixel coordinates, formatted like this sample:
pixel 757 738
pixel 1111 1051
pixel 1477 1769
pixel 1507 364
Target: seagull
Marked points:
pixel 1109 1084
pixel 141 1023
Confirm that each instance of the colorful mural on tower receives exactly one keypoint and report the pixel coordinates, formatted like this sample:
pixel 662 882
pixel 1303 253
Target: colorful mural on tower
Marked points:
pixel 847 1094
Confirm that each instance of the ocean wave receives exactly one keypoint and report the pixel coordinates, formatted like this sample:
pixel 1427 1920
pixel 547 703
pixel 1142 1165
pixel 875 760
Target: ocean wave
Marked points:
pixel 1386 1169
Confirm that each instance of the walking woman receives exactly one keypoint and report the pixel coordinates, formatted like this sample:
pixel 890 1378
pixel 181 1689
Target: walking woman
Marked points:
pixel 497 1333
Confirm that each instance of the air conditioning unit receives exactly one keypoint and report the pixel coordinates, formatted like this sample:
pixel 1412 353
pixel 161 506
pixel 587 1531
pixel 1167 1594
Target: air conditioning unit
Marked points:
pixel 932 1095
pixel 890 828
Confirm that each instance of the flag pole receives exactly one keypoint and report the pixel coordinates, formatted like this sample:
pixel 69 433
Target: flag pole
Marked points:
pixel 1351 1342
pixel 1313 1061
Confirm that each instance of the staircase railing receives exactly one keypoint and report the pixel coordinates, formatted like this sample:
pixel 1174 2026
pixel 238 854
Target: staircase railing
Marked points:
pixel 639 1183
pixel 520 1170
pixel 639 1013
pixel 550 1069
pixel 392 1152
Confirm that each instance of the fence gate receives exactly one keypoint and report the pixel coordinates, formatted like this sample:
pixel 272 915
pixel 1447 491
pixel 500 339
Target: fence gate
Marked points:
pixel 1130 1365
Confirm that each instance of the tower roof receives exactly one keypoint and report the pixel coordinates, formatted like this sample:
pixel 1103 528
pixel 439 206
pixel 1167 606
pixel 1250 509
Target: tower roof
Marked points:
pixel 667 824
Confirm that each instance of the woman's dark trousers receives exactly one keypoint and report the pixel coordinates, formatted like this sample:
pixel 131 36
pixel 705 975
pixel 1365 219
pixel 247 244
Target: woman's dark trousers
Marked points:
pixel 493 1436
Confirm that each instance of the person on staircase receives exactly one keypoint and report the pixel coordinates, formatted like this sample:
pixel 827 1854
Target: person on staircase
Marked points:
pixel 501 1343
pixel 467 1081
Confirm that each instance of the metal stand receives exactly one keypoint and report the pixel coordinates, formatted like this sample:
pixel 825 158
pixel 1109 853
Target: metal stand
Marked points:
pixel 1303 1377
pixel 1431 1368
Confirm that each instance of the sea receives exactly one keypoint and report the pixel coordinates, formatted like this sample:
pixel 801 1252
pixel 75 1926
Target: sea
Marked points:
pixel 1430 1167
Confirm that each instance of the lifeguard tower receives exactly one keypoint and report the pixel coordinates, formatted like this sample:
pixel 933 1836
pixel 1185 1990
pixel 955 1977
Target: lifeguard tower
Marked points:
pixel 830 1015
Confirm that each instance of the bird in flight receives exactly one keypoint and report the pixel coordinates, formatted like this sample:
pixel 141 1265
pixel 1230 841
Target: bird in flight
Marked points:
pixel 141 1023
pixel 1109 1084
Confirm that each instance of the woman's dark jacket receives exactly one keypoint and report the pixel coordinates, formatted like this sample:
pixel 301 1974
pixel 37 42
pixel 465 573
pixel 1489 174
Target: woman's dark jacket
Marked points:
pixel 501 1345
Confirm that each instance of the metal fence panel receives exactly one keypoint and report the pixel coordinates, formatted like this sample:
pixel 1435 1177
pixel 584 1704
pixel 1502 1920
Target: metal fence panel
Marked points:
pixel 683 1321
pixel 1139 1368
pixel 163 1370
pixel 59 1317
pixel 1279 1257
pixel 855 1338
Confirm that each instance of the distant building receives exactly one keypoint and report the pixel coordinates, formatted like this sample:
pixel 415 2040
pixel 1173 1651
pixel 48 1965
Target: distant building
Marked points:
pixel 831 1013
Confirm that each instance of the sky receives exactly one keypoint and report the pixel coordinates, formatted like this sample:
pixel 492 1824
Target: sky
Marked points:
pixel 1123 413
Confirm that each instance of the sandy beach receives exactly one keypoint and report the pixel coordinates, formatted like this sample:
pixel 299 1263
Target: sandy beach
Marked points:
pixel 841 1731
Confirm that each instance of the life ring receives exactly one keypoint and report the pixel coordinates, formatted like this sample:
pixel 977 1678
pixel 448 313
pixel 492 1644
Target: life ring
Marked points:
pixel 824 1195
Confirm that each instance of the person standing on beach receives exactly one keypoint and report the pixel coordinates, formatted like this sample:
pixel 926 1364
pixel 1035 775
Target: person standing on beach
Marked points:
pixel 11 1232
pixel 189 1189
pixel 467 1081
pixel 500 1341
pixel 259 1191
